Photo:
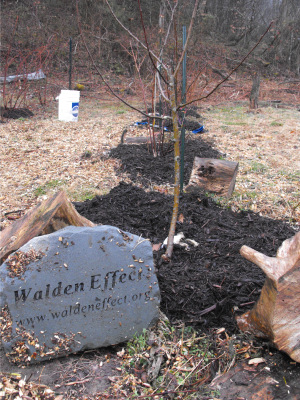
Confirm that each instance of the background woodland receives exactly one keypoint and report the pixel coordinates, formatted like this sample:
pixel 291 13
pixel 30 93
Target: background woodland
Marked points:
pixel 36 34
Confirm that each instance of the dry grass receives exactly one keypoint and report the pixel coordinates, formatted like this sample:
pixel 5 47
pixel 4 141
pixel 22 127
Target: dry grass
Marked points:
pixel 41 155
pixel 267 145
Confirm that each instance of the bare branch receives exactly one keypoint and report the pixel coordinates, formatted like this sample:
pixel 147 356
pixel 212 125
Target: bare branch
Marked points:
pixel 98 70
pixel 161 91
pixel 147 45
pixel 138 69
pixel 169 27
pixel 131 34
pixel 195 79
pixel 229 75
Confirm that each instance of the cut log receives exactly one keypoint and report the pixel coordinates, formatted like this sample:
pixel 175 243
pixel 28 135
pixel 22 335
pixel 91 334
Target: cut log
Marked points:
pixel 51 215
pixel 276 315
pixel 213 175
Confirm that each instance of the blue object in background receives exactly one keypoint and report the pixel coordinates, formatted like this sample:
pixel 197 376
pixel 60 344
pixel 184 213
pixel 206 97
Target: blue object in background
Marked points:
pixel 158 127
pixel 199 130
pixel 146 123
pixel 141 123
pixel 75 109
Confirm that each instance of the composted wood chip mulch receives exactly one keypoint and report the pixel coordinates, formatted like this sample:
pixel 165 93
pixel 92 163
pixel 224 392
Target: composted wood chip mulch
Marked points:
pixel 207 282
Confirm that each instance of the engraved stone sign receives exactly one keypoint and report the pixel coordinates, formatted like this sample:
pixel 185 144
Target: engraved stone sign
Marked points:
pixel 78 288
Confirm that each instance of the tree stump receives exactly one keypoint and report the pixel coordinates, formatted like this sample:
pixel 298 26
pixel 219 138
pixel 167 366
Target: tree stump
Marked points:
pixel 254 91
pixel 276 315
pixel 51 215
pixel 213 175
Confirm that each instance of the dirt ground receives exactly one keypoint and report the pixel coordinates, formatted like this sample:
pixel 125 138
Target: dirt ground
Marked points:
pixel 204 286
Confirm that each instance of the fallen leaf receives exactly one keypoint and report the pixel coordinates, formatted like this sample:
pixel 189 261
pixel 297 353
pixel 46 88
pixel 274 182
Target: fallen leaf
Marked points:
pixel 156 247
pixel 121 353
pixel 258 360
pixel 181 218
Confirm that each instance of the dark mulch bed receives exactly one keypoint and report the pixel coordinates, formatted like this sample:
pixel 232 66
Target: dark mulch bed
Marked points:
pixel 203 285
pixel 142 168
pixel 16 113
pixel 207 285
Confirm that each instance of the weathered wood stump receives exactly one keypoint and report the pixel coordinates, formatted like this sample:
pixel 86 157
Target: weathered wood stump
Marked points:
pixel 213 175
pixel 51 215
pixel 254 91
pixel 276 315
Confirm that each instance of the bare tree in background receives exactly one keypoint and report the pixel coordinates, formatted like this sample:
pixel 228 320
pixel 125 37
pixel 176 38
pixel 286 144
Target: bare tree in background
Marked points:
pixel 167 69
pixel 239 22
pixel 167 73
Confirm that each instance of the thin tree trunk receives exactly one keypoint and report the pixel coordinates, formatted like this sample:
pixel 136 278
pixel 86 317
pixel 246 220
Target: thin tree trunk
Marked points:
pixel 170 244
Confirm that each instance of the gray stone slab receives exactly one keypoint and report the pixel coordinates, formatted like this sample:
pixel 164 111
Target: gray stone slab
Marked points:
pixel 78 288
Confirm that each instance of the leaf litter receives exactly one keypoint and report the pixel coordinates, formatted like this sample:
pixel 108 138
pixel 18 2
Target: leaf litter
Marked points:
pixel 47 155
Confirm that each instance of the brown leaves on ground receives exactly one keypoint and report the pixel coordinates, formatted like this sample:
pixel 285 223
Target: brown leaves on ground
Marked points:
pixel 41 155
